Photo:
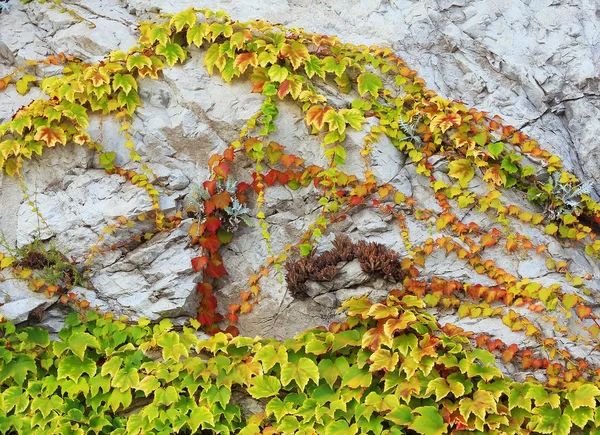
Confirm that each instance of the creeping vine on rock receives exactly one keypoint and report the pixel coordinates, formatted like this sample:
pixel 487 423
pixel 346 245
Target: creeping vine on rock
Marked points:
pixel 389 368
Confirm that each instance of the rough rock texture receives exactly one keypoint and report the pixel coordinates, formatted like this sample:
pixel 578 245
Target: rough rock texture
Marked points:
pixel 536 63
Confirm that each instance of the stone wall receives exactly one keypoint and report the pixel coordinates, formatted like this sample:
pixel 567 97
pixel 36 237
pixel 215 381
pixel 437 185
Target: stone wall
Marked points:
pixel 535 62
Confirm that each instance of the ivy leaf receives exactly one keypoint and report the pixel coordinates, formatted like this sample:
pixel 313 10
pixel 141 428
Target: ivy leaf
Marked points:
pixel 353 117
pixel 148 385
pixel 279 408
pixel 199 416
pixel 429 421
pixel 278 73
pixel 335 121
pixel 297 53
pixel 130 100
pixel 125 82
pixel 107 159
pixel 185 18
pixel 160 33
pixel 138 61
pixel 482 402
pixel 383 359
pixel 268 356
pixel 119 398
pixel 300 372
pixel 73 367
pixel 51 135
pixel 401 415
pixel 585 395
pixel 314 65
pixel 126 378
pixel 199 263
pixel 79 341
pixel 357 378
pixel 22 84
pixel 496 148
pixel 264 386
pixel 340 427
pixel 315 116
pixel 462 170
pixel 369 82
pixel 171 347
pixel 172 52
pixel 244 60
pixel 18 368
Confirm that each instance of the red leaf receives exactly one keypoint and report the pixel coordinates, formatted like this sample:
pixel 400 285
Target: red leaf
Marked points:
pixel 242 187
pixel 206 318
pixel 204 288
pixel 221 170
pixel 221 200
pixel 210 242
pixel 199 263
pixel 210 186
pixel 209 303
pixel 271 177
pixel 232 330
pixel 215 266
pixel 212 224
pixel 209 206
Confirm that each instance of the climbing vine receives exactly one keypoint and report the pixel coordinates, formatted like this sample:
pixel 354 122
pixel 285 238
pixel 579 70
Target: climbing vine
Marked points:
pixel 390 368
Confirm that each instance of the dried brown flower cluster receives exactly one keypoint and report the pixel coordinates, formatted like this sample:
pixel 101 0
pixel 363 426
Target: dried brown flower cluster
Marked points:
pixel 375 259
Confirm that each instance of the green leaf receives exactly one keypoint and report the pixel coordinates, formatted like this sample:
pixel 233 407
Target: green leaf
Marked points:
pixel 278 73
pixel 160 33
pixel 185 18
pixel 357 378
pixel 401 415
pixel 580 416
pixel 264 386
pixel 18 368
pixel 585 395
pixel 300 372
pixel 496 148
pixel 126 378
pixel 147 385
pixel 172 52
pixel 124 81
pixel 268 356
pixel 78 342
pixel 213 58
pixel 131 101
pixel 199 416
pixel 353 117
pixel 119 398
pixel 172 348
pixel 138 61
pixel 73 367
pixel 37 336
pixel 312 66
pixel 340 427
pixel 429 421
pixel 369 82
pixel 279 408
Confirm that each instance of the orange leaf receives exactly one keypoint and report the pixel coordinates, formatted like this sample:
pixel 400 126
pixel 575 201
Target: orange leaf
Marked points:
pixel 315 116
pixel 51 136
pixel 583 311
pixel 221 200
pixel 221 170
pixel 199 263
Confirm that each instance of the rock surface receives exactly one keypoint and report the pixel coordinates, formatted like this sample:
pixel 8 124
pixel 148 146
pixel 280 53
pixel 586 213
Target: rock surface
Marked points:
pixel 536 63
